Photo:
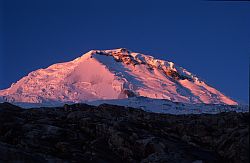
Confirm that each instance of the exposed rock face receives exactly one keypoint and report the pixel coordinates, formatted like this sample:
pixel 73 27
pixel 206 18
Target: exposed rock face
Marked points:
pixel 83 133
pixel 124 55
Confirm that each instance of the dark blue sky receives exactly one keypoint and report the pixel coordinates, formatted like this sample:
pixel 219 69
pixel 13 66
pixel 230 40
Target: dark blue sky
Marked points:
pixel 209 38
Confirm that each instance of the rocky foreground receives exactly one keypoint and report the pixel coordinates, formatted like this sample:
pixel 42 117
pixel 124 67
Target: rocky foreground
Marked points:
pixel 83 133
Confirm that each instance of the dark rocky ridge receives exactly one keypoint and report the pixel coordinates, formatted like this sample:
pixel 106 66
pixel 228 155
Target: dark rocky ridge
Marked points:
pixel 83 133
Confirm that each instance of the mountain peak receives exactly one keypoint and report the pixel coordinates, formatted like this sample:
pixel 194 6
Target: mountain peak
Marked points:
pixel 113 74
pixel 111 52
pixel 119 51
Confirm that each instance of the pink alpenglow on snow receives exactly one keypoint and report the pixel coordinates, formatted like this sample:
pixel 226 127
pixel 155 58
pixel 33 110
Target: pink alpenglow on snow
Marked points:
pixel 113 74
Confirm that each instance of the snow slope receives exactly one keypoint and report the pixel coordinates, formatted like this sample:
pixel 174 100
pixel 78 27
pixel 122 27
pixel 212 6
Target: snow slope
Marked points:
pixel 151 105
pixel 169 107
pixel 112 74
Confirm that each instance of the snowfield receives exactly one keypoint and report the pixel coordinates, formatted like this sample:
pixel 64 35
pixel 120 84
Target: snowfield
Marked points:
pixel 169 107
pixel 153 105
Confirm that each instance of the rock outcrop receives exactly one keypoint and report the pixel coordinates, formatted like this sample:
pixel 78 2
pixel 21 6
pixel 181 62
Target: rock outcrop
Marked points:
pixel 108 133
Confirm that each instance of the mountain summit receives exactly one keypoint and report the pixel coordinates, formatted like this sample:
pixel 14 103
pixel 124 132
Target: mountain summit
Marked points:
pixel 112 74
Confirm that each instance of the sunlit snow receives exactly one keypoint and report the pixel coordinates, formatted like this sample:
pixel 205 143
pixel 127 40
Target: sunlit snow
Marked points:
pixel 112 74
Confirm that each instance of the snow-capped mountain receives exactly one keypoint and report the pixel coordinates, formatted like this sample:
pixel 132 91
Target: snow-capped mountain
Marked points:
pixel 112 74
